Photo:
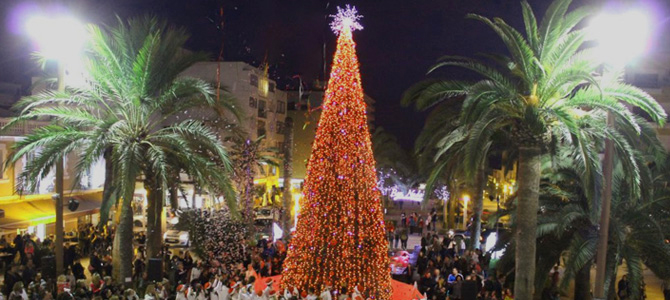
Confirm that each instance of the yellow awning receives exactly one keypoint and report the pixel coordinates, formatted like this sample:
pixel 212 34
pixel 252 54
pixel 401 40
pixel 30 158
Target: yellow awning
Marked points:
pixel 40 209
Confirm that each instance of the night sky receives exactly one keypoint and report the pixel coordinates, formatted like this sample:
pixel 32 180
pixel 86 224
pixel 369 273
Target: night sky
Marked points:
pixel 400 41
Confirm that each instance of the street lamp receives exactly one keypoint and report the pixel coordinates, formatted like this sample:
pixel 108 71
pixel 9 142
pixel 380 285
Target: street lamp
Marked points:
pixel 621 37
pixel 59 38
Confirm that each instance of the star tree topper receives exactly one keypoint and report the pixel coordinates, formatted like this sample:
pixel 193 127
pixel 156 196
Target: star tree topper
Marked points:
pixel 346 19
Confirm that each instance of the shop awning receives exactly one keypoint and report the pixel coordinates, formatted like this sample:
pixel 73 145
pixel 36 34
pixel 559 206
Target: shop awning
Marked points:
pixel 41 210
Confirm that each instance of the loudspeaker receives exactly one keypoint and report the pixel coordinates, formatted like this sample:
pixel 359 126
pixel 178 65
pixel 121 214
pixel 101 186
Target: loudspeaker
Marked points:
pixel 73 204
pixel 48 264
pixel 155 269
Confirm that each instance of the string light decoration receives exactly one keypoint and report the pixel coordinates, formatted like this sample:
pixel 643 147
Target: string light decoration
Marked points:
pixel 340 237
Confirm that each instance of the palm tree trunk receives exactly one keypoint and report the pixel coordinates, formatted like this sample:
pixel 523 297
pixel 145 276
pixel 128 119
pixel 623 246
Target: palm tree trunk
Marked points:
pixel 527 205
pixel 451 214
pixel 154 218
pixel 174 195
pixel 108 189
pixel 583 283
pixel 249 199
pixel 478 207
pixel 122 250
pixel 287 199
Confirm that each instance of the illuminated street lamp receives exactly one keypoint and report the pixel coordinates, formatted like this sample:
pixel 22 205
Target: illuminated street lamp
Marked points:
pixel 59 38
pixel 621 37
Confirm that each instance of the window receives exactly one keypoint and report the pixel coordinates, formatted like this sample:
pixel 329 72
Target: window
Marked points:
pixel 260 128
pixel 253 80
pixel 281 107
pixel 271 87
pixel 252 102
pixel 280 127
pixel 262 112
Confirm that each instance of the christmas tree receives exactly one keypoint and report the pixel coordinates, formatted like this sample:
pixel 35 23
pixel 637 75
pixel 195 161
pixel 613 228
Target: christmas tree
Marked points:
pixel 340 238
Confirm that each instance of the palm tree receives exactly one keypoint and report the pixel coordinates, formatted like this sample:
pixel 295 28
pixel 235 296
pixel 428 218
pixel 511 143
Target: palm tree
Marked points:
pixel 570 210
pixel 441 148
pixel 129 112
pixel 248 157
pixel 534 94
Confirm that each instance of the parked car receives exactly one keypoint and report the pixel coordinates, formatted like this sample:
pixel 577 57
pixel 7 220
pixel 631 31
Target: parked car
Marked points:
pixel 174 238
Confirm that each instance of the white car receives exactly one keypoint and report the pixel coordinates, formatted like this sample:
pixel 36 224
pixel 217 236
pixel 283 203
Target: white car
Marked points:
pixel 176 239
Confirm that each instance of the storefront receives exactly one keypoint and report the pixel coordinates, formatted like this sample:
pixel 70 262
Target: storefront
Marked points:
pixel 36 214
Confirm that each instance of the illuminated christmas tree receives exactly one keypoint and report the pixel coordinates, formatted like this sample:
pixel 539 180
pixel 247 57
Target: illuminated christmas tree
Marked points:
pixel 340 238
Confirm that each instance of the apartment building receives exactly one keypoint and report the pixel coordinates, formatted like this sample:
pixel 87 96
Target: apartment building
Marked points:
pixel 262 107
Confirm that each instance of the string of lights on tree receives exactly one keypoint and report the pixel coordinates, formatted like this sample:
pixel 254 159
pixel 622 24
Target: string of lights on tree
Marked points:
pixel 340 237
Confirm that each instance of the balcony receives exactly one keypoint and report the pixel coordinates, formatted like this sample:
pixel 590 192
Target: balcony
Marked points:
pixel 21 129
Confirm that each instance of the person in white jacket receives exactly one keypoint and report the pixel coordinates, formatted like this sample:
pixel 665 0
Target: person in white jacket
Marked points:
pixel 247 292
pixel 223 291
pixel 267 291
pixel 311 294
pixel 235 291
pixel 196 293
pixel 195 272
pixel 325 294
pixel 356 294
pixel 181 292
pixel 291 292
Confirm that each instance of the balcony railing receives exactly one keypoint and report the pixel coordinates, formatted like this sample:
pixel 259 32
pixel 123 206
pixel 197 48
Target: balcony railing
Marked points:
pixel 21 129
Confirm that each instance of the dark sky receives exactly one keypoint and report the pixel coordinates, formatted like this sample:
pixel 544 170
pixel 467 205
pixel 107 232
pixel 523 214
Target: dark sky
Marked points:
pixel 400 41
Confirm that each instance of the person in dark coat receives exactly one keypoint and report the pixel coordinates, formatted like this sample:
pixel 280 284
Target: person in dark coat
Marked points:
pixel 95 263
pixel 12 276
pixel 78 270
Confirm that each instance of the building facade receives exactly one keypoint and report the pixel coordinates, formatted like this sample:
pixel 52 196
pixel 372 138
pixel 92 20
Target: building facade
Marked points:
pixel 35 212
pixel 262 107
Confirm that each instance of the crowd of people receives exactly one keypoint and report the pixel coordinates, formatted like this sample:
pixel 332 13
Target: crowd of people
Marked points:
pixel 443 269
pixel 446 270
pixel 29 265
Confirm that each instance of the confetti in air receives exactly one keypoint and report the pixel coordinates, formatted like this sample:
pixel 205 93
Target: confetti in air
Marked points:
pixel 346 19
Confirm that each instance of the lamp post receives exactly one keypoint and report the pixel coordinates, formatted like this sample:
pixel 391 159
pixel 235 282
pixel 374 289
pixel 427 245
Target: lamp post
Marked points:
pixel 60 39
pixel 621 37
